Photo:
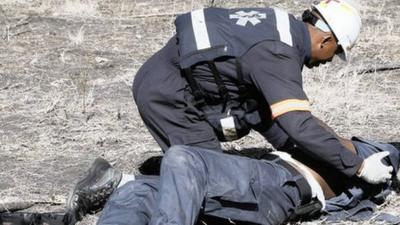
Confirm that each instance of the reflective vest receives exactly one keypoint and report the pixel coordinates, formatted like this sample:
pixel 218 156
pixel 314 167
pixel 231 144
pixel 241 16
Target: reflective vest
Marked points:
pixel 207 34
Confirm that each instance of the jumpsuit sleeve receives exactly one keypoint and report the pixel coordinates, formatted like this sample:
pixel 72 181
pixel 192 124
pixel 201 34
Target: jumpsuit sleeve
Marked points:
pixel 277 137
pixel 275 70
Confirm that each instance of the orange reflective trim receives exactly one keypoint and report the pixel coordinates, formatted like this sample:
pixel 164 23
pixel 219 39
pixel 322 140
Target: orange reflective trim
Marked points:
pixel 289 105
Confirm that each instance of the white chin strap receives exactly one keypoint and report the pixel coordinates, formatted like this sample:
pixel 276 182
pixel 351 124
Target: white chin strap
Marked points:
pixel 320 24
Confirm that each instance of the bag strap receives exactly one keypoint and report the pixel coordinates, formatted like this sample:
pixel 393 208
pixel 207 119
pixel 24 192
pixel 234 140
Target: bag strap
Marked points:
pixel 241 85
pixel 200 96
pixel 198 93
pixel 222 90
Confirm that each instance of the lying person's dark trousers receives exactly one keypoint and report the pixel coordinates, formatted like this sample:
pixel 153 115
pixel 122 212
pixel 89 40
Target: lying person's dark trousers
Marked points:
pixel 195 180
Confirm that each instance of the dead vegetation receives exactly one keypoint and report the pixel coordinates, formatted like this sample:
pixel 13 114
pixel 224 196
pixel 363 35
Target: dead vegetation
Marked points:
pixel 65 76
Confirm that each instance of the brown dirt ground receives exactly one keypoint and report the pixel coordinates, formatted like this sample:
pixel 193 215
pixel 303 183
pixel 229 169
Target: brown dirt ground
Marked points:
pixel 66 68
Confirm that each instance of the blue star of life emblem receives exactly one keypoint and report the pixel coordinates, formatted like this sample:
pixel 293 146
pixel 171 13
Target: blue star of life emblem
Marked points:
pixel 254 17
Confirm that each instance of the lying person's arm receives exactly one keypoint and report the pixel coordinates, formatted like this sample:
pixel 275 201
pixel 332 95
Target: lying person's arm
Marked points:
pixel 332 182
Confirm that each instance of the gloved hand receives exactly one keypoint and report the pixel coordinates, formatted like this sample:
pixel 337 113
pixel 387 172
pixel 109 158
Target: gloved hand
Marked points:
pixel 398 175
pixel 374 171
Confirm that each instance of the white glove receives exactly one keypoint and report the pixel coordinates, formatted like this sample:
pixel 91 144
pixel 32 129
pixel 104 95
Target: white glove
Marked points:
pixel 398 175
pixel 374 171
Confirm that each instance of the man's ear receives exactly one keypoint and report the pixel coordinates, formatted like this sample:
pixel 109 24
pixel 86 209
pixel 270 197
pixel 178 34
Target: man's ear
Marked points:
pixel 326 40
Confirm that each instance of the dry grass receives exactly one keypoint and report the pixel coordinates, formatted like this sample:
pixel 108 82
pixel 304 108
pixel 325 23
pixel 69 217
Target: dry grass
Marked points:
pixel 66 68
pixel 78 8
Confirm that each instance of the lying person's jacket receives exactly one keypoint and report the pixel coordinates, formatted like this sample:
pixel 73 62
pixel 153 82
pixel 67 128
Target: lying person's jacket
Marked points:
pixel 355 199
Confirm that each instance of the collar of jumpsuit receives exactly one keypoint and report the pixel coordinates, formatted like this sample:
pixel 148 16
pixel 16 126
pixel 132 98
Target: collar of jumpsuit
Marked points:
pixel 306 45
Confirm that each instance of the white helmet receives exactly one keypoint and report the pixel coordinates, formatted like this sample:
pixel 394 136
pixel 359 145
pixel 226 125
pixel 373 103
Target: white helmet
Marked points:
pixel 343 18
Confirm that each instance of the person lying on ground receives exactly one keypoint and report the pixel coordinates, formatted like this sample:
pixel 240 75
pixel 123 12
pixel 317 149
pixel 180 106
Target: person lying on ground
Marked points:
pixel 273 189
pixel 195 185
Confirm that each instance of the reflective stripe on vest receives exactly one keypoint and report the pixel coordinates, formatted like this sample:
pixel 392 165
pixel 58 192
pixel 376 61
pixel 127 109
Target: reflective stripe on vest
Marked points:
pixel 210 33
pixel 283 26
pixel 200 29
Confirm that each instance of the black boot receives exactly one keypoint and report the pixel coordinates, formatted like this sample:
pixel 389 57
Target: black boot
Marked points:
pixel 91 193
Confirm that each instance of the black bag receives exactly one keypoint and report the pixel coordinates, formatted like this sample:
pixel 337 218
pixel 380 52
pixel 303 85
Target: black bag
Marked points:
pixel 235 121
pixel 230 119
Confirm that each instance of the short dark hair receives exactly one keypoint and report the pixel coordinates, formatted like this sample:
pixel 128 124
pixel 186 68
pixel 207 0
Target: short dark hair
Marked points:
pixel 309 17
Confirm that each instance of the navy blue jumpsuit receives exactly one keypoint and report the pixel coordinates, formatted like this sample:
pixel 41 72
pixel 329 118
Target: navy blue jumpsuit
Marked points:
pixel 272 47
